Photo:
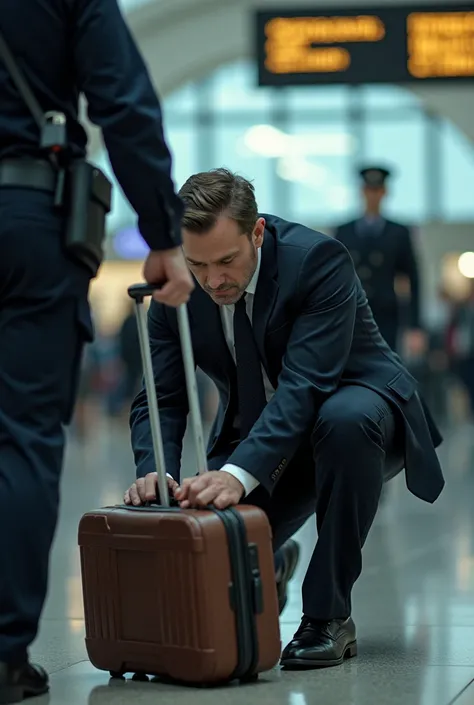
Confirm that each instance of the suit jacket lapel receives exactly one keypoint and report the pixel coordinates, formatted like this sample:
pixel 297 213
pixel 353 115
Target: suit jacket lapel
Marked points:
pixel 265 294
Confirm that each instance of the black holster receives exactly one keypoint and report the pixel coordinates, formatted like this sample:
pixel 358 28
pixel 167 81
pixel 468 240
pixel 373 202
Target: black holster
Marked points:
pixel 87 200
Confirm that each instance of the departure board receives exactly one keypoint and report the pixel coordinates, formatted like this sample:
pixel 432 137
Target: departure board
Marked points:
pixel 389 45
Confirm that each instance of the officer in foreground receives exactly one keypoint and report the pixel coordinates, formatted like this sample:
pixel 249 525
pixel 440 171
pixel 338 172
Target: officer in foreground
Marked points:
pixel 62 48
pixel 382 249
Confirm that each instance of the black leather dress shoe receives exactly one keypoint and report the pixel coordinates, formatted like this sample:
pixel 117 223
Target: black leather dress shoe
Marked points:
pixel 20 682
pixel 290 554
pixel 320 644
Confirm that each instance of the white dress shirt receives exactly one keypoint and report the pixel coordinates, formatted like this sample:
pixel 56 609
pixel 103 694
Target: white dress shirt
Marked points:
pixel 227 317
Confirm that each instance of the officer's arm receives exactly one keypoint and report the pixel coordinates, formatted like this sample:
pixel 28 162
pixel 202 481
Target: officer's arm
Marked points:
pixel 315 358
pixel 122 101
pixel 408 265
pixel 170 383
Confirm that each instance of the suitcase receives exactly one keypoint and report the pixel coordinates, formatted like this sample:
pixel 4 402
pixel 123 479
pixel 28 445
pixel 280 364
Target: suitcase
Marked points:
pixel 186 595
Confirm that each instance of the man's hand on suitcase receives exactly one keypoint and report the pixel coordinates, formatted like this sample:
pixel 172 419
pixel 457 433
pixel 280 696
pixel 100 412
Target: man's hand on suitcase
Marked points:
pixel 219 488
pixel 145 490
pixel 168 267
pixel 215 487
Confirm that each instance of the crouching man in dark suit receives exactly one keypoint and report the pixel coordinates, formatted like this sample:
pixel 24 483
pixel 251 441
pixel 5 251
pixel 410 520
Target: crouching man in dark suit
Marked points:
pixel 316 411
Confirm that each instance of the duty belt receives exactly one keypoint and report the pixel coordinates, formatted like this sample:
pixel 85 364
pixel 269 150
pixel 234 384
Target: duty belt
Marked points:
pixel 27 173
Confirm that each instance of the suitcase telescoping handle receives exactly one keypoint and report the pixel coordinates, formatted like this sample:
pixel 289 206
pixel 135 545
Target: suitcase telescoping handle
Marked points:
pixel 138 292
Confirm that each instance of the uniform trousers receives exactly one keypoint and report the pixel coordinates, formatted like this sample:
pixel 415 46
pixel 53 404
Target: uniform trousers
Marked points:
pixel 44 323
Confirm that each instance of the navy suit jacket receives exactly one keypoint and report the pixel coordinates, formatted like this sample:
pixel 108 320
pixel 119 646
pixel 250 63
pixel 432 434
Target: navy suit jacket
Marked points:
pixel 378 260
pixel 315 332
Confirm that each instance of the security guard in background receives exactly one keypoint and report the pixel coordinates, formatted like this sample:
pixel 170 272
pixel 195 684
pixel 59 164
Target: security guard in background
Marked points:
pixel 63 48
pixel 382 249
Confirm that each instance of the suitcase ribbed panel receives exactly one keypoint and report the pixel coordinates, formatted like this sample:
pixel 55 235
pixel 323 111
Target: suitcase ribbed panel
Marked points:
pixel 111 607
pixel 180 628
pixel 86 566
pixel 163 609
pixel 101 611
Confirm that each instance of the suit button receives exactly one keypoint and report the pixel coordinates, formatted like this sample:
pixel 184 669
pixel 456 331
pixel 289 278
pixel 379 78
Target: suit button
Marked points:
pixel 277 472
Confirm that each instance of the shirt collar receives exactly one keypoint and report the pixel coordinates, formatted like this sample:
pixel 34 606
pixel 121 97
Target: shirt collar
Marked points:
pixel 372 224
pixel 252 287
pixel 372 219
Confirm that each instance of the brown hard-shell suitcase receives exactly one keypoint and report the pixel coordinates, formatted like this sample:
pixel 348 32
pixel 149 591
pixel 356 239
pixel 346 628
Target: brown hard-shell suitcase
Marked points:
pixel 187 595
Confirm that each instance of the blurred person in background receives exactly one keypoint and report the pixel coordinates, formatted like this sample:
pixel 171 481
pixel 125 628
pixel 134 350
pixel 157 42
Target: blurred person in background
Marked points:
pixel 130 357
pixel 89 381
pixel 382 249
pixel 100 377
pixel 63 49
pixel 461 345
pixel 436 385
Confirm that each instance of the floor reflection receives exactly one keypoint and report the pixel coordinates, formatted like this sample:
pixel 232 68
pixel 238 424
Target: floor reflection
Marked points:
pixel 413 606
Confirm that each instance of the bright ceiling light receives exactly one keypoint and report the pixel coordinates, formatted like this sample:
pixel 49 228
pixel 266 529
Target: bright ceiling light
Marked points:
pixel 267 141
pixel 323 144
pixel 466 264
pixel 299 170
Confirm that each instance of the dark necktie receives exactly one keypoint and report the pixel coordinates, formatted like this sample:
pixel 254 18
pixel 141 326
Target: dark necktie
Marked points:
pixel 250 387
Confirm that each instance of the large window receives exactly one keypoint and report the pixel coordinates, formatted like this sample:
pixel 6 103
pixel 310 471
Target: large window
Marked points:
pixel 457 165
pixel 317 170
pixel 401 145
pixel 303 146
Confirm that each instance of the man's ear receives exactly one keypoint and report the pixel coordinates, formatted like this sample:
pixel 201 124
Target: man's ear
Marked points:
pixel 259 232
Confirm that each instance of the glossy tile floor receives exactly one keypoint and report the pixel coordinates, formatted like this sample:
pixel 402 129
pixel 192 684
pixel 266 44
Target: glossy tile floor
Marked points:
pixel 414 605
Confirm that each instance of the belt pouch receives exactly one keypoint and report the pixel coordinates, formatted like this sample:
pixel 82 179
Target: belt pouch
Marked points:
pixel 89 197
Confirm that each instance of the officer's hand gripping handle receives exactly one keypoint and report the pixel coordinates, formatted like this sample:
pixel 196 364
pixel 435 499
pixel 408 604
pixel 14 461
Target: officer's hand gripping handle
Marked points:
pixel 140 291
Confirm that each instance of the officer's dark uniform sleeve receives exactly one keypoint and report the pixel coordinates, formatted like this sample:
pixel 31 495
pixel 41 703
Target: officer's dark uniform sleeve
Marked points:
pixel 123 103
pixel 407 264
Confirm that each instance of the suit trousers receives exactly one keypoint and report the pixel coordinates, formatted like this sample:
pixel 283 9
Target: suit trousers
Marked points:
pixel 44 321
pixel 355 444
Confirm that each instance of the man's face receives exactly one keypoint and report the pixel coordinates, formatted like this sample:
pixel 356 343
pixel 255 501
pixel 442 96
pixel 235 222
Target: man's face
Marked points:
pixel 224 260
pixel 373 197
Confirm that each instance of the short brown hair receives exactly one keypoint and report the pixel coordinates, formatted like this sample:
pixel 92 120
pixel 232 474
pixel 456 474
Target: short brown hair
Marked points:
pixel 209 194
